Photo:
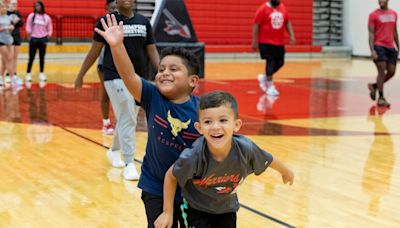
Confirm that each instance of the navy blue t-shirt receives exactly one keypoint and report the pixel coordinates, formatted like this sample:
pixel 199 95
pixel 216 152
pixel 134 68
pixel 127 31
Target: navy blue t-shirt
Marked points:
pixel 170 130
pixel 137 35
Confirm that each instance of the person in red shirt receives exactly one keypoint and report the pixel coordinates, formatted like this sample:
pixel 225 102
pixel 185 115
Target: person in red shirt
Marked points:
pixel 270 22
pixel 384 44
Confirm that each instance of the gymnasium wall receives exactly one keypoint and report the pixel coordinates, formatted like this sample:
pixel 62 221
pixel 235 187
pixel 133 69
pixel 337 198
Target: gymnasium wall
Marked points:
pixel 66 7
pixel 227 24
pixel 224 25
pixel 355 20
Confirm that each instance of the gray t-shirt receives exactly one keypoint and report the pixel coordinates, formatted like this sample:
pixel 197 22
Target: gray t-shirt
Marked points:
pixel 210 186
pixel 5 35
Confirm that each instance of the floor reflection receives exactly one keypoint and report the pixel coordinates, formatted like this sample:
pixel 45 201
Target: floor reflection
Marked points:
pixel 302 98
pixel 379 165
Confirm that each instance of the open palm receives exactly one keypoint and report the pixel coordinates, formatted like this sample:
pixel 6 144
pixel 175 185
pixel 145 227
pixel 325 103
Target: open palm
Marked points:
pixel 113 32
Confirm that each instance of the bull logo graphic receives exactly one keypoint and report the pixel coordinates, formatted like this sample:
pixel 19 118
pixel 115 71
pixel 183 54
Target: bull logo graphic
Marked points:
pixel 176 124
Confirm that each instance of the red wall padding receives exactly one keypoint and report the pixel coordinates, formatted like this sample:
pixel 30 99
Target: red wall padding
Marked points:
pixel 219 22
pixel 72 11
pixel 216 22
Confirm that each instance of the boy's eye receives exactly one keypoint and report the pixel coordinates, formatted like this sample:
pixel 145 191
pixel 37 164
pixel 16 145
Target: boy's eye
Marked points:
pixel 206 122
pixel 224 120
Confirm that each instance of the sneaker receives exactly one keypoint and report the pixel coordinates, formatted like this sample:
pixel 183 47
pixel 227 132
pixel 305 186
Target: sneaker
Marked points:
pixel 130 172
pixel 382 102
pixel 42 77
pixel 108 129
pixel 372 91
pixel 7 79
pixel 115 159
pixel 28 77
pixel 272 91
pixel 262 80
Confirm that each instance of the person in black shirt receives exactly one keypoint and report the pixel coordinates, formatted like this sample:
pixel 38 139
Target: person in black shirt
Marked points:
pixel 141 48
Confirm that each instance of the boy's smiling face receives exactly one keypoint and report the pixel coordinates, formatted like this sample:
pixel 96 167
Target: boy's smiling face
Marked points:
pixel 217 125
pixel 173 79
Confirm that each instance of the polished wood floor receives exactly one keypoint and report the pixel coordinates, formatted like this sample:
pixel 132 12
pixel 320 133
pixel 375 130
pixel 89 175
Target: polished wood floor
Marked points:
pixel 343 149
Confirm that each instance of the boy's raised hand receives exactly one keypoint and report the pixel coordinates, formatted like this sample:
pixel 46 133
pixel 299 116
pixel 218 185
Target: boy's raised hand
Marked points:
pixel 113 32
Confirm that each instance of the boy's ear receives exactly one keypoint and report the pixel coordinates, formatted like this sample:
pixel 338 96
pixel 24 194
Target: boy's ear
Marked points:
pixel 198 127
pixel 238 125
pixel 194 80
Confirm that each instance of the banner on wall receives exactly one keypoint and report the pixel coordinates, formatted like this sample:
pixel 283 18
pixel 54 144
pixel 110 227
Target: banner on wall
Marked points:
pixel 172 27
pixel 172 23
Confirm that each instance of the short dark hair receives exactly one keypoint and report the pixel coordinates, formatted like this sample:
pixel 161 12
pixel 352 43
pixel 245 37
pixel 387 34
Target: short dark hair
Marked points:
pixel 218 98
pixel 189 59
pixel 109 1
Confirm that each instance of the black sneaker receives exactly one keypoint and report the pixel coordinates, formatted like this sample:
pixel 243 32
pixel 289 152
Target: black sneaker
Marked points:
pixel 382 102
pixel 372 91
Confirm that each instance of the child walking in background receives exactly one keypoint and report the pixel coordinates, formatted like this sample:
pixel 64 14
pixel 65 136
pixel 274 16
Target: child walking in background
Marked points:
pixel 215 166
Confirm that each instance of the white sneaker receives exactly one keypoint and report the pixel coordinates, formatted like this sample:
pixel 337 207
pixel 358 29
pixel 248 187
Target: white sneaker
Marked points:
pixel 272 91
pixel 28 77
pixel 115 159
pixel 7 79
pixel 42 77
pixel 130 172
pixel 262 80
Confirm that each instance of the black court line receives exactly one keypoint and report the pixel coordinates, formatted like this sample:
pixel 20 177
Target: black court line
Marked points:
pixel 140 162
pixel 90 140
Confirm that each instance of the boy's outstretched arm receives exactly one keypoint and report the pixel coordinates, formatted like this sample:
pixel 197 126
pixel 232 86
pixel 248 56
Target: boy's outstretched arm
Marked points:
pixel 114 35
pixel 166 218
pixel 287 174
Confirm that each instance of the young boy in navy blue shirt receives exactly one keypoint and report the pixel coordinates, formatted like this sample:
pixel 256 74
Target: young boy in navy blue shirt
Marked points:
pixel 171 112
pixel 215 166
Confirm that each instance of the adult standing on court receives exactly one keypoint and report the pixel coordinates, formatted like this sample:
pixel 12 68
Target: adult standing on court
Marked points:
pixel 16 21
pixel 270 22
pixel 39 28
pixel 141 48
pixel 384 44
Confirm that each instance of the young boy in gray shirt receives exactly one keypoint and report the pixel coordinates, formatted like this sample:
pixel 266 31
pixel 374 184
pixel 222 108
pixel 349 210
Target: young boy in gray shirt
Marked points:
pixel 214 166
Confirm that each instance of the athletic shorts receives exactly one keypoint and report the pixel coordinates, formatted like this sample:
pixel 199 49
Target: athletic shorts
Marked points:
pixel 196 218
pixel 270 51
pixel 385 54
pixel 17 40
